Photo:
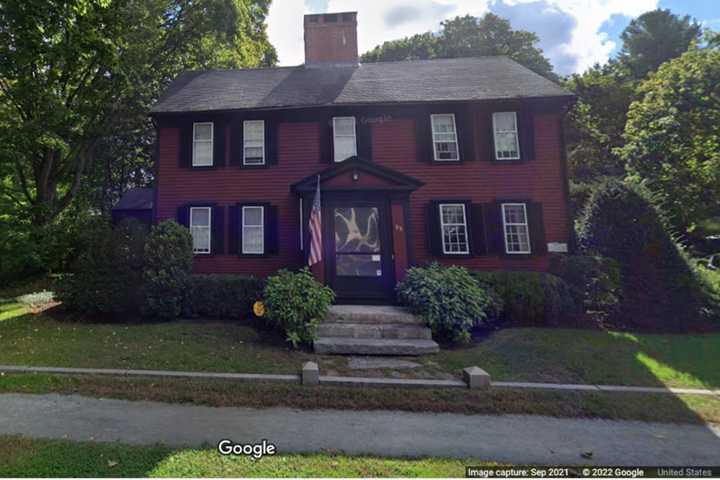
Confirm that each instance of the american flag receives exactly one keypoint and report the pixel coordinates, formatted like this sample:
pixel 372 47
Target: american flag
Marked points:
pixel 316 229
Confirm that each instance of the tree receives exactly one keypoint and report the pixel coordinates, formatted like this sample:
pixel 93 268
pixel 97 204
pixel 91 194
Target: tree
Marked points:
pixel 75 73
pixel 467 36
pixel 673 137
pixel 654 38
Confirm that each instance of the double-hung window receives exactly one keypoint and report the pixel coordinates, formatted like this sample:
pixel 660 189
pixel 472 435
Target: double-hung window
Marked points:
pixel 200 223
pixel 444 133
pixel 515 228
pixel 202 151
pixel 253 230
pixel 344 138
pixel 453 226
pixel 254 142
pixel 505 134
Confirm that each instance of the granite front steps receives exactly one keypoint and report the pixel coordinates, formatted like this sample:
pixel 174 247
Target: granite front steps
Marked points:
pixel 373 330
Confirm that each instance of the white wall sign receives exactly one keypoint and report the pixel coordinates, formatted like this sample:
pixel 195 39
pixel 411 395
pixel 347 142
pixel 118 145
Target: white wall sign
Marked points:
pixel 557 247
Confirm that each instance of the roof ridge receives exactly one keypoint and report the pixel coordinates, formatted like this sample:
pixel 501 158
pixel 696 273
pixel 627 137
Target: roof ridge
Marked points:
pixel 419 60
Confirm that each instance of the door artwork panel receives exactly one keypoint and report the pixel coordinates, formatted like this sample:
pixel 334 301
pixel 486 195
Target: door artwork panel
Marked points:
pixel 357 242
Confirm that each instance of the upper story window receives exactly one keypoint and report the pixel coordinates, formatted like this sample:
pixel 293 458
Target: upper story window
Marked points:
pixel 515 228
pixel 453 225
pixel 200 218
pixel 254 142
pixel 505 132
pixel 444 132
pixel 253 230
pixel 202 152
pixel 344 137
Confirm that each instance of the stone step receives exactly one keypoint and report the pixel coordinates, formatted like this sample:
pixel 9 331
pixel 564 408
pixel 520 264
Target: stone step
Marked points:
pixel 374 314
pixel 374 346
pixel 369 330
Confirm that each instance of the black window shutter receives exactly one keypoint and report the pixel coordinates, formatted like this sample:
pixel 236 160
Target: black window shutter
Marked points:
pixel 271 142
pixel 423 137
pixel 465 124
pixel 219 143
pixel 494 228
pixel 432 222
pixel 364 140
pixel 233 227
pixel 271 229
pixel 185 146
pixel 477 229
pixel 239 229
pixel 490 129
pixel 536 225
pixel 183 213
pixel 218 230
pixel 236 143
pixel 526 132
pixel 326 140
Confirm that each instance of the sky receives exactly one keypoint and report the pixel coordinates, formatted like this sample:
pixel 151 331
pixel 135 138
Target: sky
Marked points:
pixel 574 34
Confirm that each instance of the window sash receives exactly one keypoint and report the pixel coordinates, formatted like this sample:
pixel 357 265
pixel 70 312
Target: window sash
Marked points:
pixel 445 143
pixel 257 245
pixel 346 140
pixel 458 241
pixel 202 151
pixel 201 234
pixel 516 234
pixel 253 140
pixel 513 154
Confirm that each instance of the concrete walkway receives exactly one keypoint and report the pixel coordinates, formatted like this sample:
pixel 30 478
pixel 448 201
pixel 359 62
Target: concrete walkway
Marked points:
pixel 516 439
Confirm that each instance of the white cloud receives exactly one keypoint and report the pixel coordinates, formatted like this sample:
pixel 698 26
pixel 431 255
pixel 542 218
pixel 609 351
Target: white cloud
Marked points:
pixel 381 20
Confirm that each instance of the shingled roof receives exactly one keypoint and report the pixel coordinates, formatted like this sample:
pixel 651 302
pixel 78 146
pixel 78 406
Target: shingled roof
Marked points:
pixel 456 79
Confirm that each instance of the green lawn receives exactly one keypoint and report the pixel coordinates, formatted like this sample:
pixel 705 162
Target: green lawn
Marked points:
pixel 21 457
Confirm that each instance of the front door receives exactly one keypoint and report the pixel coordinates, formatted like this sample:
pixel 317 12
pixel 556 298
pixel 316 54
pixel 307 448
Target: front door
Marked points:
pixel 360 267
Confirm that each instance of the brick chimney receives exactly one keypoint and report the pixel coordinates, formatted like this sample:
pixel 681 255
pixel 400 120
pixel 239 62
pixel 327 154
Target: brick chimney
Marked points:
pixel 331 38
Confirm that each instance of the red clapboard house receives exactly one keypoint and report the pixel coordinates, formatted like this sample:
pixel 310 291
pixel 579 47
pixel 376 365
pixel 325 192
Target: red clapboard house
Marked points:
pixel 459 161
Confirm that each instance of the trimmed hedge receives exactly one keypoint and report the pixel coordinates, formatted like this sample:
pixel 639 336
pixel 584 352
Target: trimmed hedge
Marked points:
pixel 594 281
pixel 222 296
pixel 534 299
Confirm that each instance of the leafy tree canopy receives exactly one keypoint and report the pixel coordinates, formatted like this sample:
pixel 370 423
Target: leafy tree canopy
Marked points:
pixel 73 73
pixel 467 36
pixel 673 136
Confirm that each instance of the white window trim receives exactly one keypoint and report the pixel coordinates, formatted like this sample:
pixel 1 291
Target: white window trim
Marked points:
pixel 443 225
pixel 526 224
pixel 245 122
pixel 262 226
pixel 335 136
pixel 212 146
pixel 432 132
pixel 209 229
pixel 517 137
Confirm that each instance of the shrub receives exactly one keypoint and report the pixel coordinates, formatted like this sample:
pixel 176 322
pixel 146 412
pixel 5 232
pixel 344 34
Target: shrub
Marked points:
pixel 296 304
pixel 448 298
pixel 660 288
pixel 168 265
pixel 225 296
pixel 531 298
pixel 594 281
pixel 107 277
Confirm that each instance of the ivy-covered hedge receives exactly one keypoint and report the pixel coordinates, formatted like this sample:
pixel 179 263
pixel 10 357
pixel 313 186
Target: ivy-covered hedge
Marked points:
pixel 222 296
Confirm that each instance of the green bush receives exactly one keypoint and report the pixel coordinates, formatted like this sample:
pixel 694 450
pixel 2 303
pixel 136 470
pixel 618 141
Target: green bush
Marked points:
pixel 660 288
pixel 107 278
pixel 168 266
pixel 447 297
pixel 593 280
pixel 222 296
pixel 296 304
pixel 534 299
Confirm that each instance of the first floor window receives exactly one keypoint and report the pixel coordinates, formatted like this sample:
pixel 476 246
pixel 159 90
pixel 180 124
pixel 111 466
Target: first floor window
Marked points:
pixel 253 230
pixel 515 227
pixel 453 225
pixel 200 218
pixel 444 133
pixel 254 142
pixel 202 153
pixel 345 142
pixel 505 132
